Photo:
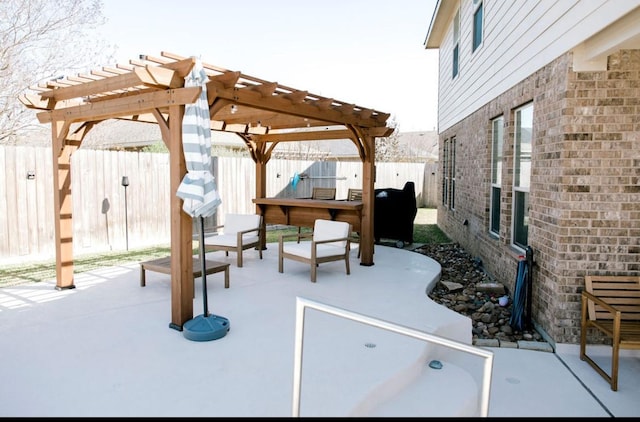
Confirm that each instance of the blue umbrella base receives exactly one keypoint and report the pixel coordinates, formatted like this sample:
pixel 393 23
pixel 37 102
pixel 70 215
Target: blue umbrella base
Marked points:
pixel 206 328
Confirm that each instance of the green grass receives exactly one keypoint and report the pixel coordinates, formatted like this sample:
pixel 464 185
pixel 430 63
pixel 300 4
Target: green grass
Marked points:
pixel 40 271
pixel 429 234
pixel 422 233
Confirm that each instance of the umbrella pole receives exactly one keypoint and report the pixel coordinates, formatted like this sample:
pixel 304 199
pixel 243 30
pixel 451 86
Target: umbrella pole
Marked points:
pixel 203 268
pixel 207 326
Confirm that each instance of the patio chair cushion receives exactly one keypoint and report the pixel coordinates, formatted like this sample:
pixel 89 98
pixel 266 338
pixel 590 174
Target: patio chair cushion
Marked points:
pixel 327 230
pixel 235 223
pixel 229 239
pixel 303 249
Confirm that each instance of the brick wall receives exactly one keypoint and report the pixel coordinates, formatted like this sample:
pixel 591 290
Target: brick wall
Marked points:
pixel 585 184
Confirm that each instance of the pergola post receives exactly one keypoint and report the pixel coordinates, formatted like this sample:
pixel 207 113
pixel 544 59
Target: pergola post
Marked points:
pixel 261 192
pixel 368 197
pixel 63 205
pixel 181 228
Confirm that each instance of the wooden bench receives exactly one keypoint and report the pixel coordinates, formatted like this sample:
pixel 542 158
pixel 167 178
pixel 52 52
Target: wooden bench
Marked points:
pixel 163 265
pixel 611 305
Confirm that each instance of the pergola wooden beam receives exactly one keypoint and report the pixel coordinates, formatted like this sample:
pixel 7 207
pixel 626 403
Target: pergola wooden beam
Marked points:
pixel 157 77
pixel 108 109
pixel 284 105
pixel 306 136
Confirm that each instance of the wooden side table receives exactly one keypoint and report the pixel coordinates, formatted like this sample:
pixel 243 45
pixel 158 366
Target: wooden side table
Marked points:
pixel 163 265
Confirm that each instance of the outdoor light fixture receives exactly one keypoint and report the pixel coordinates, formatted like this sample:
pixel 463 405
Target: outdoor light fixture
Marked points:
pixel 31 175
pixel 234 109
pixel 125 183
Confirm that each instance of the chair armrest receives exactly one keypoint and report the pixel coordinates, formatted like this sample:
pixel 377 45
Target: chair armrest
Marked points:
pixel 214 229
pixel 340 239
pixel 240 235
pixel 255 229
pixel 611 309
pixel 295 236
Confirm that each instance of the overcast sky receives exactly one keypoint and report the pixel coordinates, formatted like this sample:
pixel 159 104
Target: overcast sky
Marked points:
pixel 370 53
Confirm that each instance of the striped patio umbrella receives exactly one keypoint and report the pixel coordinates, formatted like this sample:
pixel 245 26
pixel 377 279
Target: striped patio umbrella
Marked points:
pixel 199 193
pixel 198 188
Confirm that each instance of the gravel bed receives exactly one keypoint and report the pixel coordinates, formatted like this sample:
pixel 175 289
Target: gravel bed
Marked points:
pixel 490 320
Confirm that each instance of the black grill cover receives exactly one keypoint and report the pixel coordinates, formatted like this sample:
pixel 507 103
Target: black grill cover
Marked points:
pixel 394 212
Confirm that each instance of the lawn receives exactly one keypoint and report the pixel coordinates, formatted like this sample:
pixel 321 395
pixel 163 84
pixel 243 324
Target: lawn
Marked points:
pixel 40 271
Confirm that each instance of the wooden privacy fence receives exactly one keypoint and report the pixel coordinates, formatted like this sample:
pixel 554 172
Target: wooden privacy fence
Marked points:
pixel 100 199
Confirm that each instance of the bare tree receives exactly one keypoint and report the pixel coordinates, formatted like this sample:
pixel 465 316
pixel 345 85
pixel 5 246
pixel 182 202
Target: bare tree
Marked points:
pixel 41 40
pixel 388 149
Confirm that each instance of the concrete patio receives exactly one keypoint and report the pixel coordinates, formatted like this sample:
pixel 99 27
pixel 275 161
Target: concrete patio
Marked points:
pixel 105 349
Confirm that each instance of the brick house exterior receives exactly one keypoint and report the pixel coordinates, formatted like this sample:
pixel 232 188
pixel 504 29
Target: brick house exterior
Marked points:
pixel 584 192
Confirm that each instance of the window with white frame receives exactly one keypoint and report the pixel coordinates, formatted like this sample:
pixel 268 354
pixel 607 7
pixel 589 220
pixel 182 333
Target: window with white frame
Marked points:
pixel 445 173
pixel 497 142
pixel 449 173
pixel 456 45
pixel 478 18
pixel 523 137
pixel 452 166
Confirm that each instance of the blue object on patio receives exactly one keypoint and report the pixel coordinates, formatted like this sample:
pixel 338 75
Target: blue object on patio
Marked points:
pixel 435 364
pixel 198 190
pixel 295 180
pixel 517 320
pixel 201 328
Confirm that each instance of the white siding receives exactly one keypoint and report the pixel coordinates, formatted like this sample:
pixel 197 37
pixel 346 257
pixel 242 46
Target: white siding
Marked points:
pixel 520 37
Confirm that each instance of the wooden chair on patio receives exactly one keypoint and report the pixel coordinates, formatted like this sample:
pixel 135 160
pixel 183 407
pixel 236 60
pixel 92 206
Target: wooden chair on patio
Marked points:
pixel 354 194
pixel 239 232
pixel 611 309
pixel 329 241
pixel 323 193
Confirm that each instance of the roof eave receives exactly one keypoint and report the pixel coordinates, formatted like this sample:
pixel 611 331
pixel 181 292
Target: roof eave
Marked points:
pixel 439 23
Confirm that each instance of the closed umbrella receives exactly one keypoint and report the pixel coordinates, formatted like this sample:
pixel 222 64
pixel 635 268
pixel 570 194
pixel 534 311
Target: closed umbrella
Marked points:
pixel 199 194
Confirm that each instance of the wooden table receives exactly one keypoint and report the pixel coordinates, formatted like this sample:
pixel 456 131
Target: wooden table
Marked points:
pixel 163 265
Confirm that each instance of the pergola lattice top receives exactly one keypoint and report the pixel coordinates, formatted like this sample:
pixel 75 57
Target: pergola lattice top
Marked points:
pixel 239 103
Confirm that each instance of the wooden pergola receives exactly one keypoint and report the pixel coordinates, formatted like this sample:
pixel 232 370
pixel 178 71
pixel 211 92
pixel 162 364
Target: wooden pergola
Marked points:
pixel 151 90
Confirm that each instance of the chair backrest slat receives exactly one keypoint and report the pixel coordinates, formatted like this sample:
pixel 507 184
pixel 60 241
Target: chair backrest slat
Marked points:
pixel 323 193
pixel 622 292
pixel 354 194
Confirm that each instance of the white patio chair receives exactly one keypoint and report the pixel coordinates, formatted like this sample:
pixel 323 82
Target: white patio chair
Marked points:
pixel 329 241
pixel 239 232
